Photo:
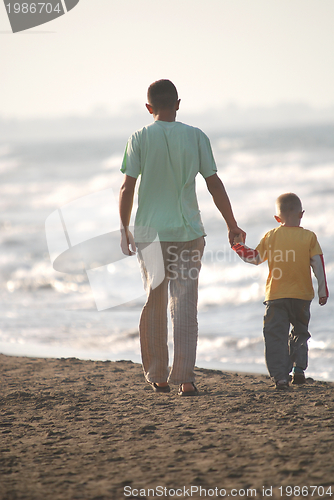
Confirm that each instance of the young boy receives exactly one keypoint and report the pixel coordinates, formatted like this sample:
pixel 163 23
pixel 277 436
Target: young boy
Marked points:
pixel 290 251
pixel 167 155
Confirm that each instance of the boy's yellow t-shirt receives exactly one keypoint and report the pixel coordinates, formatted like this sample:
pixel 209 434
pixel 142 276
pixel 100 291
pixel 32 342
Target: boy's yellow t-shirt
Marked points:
pixel 168 156
pixel 289 251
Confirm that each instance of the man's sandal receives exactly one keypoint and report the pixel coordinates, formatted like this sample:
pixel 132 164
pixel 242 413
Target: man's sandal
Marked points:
pixel 188 393
pixel 157 388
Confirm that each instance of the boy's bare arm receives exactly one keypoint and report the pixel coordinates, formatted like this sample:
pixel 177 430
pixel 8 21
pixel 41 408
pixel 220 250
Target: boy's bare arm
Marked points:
pixel 125 207
pixel 217 190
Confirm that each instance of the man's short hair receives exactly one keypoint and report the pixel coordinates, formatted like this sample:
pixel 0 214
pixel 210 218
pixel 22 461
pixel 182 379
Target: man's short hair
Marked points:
pixel 162 94
pixel 288 202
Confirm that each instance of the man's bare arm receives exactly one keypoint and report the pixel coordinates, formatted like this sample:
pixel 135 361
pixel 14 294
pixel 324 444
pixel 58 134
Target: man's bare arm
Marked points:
pixel 125 207
pixel 222 202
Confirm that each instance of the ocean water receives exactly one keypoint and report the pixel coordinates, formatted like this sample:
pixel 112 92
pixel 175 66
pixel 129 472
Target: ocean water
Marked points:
pixel 49 313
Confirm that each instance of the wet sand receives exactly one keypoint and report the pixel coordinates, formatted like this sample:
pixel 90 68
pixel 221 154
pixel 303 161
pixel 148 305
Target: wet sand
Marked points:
pixel 74 429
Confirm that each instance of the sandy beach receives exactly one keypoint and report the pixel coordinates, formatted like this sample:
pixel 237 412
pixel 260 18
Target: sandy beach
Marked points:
pixel 95 430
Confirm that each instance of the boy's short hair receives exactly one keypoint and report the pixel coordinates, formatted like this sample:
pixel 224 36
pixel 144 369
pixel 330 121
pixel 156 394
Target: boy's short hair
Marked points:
pixel 162 94
pixel 288 202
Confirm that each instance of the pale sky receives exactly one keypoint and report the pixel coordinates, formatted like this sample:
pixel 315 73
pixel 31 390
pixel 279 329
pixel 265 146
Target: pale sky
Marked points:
pixel 105 53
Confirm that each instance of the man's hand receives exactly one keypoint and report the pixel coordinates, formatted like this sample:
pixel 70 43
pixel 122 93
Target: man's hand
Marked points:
pixel 236 235
pixel 322 300
pixel 127 241
pixel 238 239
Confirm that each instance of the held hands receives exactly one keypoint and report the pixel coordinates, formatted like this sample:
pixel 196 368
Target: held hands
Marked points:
pixel 322 300
pixel 238 239
pixel 236 235
pixel 127 241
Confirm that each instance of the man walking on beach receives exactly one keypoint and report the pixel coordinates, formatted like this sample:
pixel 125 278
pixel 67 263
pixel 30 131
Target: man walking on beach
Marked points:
pixel 168 155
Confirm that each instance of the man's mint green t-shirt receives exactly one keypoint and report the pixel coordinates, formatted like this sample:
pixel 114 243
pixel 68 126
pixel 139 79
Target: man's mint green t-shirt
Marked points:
pixel 168 156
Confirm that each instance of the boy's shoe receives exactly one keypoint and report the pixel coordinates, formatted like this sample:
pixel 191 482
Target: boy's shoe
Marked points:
pixel 298 378
pixel 282 385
